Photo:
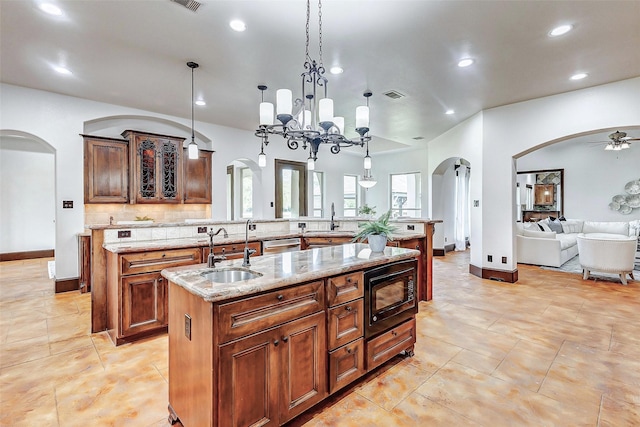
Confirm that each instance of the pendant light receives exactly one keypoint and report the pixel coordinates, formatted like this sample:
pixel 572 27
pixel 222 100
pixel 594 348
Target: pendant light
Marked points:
pixel 193 147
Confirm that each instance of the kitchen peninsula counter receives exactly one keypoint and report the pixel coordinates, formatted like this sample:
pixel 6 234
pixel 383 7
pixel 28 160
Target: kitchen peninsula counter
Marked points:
pixel 281 270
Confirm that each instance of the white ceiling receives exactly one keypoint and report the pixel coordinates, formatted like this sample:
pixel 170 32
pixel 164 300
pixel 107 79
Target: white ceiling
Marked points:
pixel 134 53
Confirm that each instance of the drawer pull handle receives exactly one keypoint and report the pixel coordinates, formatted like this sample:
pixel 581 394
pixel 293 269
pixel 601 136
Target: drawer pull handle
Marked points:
pixel 394 333
pixel 164 255
pixel 417 247
pixel 285 339
pixel 280 297
pixel 276 342
pixel 348 279
pixel 348 308
pixel 349 350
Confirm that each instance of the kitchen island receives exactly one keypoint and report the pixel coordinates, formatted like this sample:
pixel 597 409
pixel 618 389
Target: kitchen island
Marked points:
pixel 264 350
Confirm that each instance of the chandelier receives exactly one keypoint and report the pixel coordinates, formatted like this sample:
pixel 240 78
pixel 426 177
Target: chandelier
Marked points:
pixel 309 121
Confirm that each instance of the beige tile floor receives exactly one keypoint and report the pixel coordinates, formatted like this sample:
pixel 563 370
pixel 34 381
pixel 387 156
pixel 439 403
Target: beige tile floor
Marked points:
pixel 551 350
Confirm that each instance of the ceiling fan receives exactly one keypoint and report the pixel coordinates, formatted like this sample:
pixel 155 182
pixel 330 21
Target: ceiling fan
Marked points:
pixel 619 141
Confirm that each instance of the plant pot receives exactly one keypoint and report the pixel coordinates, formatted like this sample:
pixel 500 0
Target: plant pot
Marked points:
pixel 377 242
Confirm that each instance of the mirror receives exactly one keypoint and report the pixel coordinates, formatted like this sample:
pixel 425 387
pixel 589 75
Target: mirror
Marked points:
pixel 540 194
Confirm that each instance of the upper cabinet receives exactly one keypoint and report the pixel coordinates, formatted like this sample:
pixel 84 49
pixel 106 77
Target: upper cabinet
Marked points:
pixel 156 164
pixel 144 168
pixel 106 170
pixel 197 178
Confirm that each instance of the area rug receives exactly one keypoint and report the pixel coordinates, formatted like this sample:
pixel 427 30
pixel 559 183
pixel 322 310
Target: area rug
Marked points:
pixel 573 266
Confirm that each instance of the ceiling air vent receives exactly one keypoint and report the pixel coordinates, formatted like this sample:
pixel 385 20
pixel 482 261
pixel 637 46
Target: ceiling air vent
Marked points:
pixel 189 4
pixel 393 94
pixel 418 138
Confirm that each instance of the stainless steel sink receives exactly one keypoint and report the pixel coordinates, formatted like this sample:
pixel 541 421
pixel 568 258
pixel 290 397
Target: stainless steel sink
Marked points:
pixel 230 274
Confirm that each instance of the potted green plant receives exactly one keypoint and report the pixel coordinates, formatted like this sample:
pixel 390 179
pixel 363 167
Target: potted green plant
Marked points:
pixel 366 211
pixel 377 232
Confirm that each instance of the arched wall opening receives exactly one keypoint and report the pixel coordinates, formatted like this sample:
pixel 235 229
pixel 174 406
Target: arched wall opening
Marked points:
pixel 27 196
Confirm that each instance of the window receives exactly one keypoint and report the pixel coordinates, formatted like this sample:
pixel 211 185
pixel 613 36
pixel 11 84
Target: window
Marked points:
pixel 406 194
pixel 318 193
pixel 291 189
pixel 350 191
pixel 246 193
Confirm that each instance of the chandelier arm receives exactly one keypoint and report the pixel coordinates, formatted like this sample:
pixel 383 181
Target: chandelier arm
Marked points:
pixel 292 144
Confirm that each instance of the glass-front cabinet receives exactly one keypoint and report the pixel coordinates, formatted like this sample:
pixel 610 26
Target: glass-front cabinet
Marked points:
pixel 157 167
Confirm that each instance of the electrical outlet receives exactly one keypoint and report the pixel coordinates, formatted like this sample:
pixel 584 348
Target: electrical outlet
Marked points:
pixel 504 259
pixel 302 225
pixel 490 258
pixel 476 203
pixel 252 227
pixel 445 240
pixel 411 227
pixel 187 326
pixel 124 233
pixel 202 229
pixel 271 204
pixel 67 204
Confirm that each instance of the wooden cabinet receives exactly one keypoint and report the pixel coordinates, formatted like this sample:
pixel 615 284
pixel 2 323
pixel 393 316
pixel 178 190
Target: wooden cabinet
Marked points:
pixel 144 303
pixel 424 261
pixel 346 287
pixel 320 242
pixel 84 263
pixel 346 364
pixel 197 177
pixel 385 346
pixel 137 293
pixel 537 215
pixel 156 164
pixel 232 250
pixel 106 170
pixel 544 194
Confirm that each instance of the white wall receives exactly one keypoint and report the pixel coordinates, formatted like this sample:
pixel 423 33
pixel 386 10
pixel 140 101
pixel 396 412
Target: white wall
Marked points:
pixel 591 177
pixel 27 200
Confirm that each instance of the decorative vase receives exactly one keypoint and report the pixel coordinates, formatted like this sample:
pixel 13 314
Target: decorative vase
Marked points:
pixel 377 242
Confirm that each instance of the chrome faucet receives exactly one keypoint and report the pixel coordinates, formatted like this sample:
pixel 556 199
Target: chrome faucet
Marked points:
pixel 333 213
pixel 247 252
pixel 212 259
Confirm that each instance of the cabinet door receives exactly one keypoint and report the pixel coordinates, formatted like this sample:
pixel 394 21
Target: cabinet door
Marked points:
pixel 106 170
pixel 144 303
pixel 197 178
pixel 249 381
pixel 157 168
pixel 303 361
pixel 423 262
pixel 544 194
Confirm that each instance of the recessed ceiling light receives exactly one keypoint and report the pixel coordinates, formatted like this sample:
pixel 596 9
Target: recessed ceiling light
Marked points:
pixel 449 112
pixel 336 70
pixel 201 102
pixel 237 25
pixel 51 9
pixel 62 70
pixel 579 76
pixel 465 62
pixel 562 29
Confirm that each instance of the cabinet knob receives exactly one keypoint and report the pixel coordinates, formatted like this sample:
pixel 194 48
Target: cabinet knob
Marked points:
pixel 280 297
pixel 164 255
pixel 276 342
pixel 417 247
pixel 285 339
pixel 349 350
pixel 394 333
pixel 348 308
pixel 348 279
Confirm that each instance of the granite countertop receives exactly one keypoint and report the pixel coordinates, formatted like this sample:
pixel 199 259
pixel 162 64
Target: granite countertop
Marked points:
pixel 284 269
pixel 189 242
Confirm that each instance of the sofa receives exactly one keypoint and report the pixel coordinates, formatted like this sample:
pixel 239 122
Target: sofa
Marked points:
pixel 553 242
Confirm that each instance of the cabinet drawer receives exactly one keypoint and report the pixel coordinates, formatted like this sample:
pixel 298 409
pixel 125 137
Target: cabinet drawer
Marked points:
pixel 346 364
pixel 232 251
pixel 345 288
pixel 384 347
pixel 246 316
pixel 318 242
pixel 146 262
pixel 346 323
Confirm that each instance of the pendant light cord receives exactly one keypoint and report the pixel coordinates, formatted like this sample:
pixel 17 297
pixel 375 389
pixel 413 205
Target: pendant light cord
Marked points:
pixel 192 110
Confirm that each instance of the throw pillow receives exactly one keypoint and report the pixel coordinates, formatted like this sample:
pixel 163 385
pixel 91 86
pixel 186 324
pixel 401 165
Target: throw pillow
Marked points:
pixel 544 226
pixel 552 218
pixel 562 218
pixel 556 226
pixel 572 226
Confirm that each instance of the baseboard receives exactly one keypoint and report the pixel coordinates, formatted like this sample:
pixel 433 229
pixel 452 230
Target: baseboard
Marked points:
pixel 16 256
pixel 439 252
pixel 499 275
pixel 450 247
pixel 67 285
